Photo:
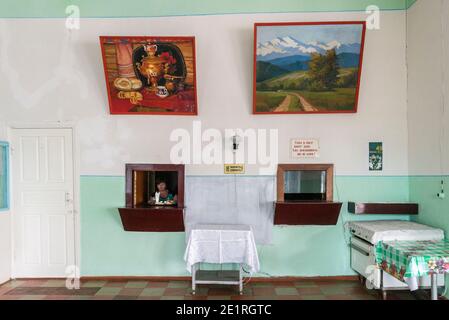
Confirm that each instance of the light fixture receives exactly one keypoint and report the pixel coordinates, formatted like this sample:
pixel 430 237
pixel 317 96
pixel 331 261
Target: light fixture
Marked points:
pixel 235 142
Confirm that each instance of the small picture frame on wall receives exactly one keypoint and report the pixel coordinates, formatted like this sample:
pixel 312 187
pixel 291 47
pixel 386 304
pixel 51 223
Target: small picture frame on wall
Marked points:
pixel 307 67
pixel 150 75
pixel 375 156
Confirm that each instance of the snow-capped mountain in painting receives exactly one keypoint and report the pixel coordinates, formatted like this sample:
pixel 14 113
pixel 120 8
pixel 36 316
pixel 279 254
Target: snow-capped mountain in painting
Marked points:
pixel 281 47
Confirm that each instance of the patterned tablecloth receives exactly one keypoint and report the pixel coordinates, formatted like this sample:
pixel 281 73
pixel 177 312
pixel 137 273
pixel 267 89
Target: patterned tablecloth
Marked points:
pixel 407 259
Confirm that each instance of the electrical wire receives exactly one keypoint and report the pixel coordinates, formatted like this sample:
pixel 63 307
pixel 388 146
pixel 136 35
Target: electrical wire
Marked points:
pixel 248 279
pixel 443 79
pixel 443 89
pixel 443 101
pixel 346 234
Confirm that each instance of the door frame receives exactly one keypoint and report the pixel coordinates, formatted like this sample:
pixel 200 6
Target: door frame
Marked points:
pixel 76 182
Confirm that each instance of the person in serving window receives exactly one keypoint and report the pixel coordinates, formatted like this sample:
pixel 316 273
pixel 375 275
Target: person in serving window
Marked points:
pixel 163 195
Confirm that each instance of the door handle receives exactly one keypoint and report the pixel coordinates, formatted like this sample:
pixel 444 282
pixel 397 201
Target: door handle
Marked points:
pixel 360 250
pixel 68 199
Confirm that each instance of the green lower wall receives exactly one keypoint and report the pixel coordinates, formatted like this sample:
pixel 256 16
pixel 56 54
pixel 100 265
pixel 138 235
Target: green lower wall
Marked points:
pixel 107 250
pixel 433 211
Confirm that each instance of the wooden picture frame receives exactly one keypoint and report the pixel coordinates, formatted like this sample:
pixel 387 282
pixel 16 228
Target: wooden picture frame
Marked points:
pixel 283 82
pixel 149 75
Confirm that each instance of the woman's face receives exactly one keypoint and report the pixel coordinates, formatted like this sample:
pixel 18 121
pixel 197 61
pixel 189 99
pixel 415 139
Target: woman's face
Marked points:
pixel 162 186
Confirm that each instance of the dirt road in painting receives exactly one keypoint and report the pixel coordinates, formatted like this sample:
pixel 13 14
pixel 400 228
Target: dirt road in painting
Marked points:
pixel 283 107
pixel 306 105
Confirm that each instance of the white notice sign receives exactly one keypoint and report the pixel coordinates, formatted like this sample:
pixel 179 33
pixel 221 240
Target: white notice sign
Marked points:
pixel 305 148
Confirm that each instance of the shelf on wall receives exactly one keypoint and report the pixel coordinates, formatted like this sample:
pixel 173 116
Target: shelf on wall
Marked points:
pixel 307 213
pixel 152 219
pixel 383 208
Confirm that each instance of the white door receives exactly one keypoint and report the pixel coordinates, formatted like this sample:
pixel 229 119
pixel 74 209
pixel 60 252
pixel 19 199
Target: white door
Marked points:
pixel 42 202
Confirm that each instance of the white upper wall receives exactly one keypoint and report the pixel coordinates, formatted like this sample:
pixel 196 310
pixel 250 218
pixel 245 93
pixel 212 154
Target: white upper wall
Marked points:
pixel 48 74
pixel 428 76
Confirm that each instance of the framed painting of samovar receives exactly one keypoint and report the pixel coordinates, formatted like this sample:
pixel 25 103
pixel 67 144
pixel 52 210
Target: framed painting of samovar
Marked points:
pixel 150 75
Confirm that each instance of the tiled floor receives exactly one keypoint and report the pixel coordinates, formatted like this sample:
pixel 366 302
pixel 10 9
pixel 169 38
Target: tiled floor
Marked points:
pixel 180 290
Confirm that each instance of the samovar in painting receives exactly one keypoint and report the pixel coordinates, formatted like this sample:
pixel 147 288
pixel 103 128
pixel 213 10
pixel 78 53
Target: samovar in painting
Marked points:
pixel 152 66
pixel 160 68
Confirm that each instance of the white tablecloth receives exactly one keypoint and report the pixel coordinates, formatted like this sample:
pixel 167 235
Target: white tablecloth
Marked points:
pixel 222 244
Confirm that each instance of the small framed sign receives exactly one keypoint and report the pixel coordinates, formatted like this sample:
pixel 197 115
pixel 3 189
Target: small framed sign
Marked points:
pixel 234 168
pixel 305 148
pixel 375 156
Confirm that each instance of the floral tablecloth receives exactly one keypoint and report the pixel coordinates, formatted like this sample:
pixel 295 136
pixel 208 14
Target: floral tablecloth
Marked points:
pixel 407 259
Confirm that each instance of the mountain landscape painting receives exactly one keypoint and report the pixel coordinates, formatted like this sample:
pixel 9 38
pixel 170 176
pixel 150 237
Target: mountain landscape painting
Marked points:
pixel 307 67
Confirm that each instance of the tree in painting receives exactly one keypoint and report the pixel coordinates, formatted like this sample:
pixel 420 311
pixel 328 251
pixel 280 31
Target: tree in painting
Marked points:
pixel 323 71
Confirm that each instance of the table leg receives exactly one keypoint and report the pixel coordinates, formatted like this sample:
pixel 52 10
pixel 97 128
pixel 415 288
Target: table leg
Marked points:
pixel 434 286
pixel 362 280
pixel 193 278
pixel 240 280
pixel 383 291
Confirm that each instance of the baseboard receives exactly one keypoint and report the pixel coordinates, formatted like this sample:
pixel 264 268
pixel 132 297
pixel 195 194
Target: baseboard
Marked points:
pixel 39 278
pixel 316 278
pixel 188 278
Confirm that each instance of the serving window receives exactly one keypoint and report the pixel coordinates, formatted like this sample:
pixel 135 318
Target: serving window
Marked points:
pixel 305 182
pixel 305 195
pixel 154 185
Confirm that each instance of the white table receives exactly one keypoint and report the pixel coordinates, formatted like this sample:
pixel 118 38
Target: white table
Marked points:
pixel 221 244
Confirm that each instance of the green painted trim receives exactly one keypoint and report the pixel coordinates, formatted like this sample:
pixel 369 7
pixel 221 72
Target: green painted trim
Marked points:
pixel 257 176
pixel 274 176
pixel 410 3
pixel 429 176
pixel 101 176
pixel 372 176
pixel 157 8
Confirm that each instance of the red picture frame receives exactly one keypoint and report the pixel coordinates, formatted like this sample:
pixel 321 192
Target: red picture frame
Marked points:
pixel 316 110
pixel 150 75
